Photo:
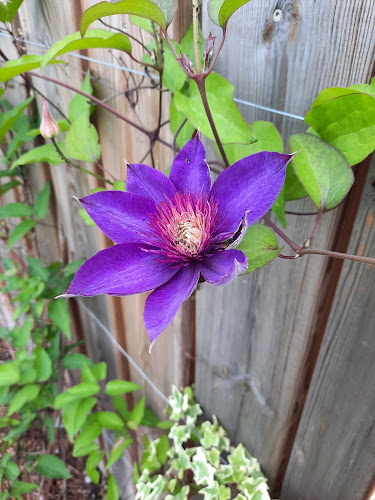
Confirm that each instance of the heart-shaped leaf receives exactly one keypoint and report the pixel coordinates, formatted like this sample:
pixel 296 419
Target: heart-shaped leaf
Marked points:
pixel 323 171
pixel 142 8
pixel 221 10
pixel 260 246
pixel 93 39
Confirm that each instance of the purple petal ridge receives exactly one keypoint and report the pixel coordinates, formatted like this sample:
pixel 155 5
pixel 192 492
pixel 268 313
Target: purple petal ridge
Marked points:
pixel 189 171
pixel 121 216
pixel 146 181
pixel 163 303
pixel 249 185
pixel 222 267
pixel 123 269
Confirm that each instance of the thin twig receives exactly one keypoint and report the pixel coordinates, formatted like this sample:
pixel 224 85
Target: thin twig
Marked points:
pixel 337 255
pixel 176 135
pixel 281 233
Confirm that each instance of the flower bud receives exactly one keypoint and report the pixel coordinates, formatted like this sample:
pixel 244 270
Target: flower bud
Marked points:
pixel 208 48
pixel 48 127
pixel 187 64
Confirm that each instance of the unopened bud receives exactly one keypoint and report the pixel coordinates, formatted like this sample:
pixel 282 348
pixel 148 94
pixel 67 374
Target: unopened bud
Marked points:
pixel 187 64
pixel 48 127
pixel 208 47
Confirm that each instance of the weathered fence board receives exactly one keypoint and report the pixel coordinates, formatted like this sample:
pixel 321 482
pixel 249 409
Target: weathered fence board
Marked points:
pixel 333 454
pixel 255 336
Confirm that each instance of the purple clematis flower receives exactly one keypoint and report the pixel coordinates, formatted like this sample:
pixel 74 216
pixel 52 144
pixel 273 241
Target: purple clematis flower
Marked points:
pixel 169 231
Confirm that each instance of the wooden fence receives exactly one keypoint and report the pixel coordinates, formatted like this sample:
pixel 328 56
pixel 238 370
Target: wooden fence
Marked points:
pixel 284 357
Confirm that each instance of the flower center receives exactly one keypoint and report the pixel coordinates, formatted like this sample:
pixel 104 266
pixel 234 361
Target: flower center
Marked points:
pixel 182 227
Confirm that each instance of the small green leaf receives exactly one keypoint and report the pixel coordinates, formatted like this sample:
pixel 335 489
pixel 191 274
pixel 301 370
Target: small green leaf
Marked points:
pixel 21 336
pixel 41 203
pixel 221 10
pixel 12 471
pixel 110 420
pixel 260 246
pixel 36 269
pixel 82 141
pixel 117 450
pixel 119 186
pixel 58 312
pixel 100 370
pixel 22 488
pixel 86 438
pixel 293 188
pixel 17 66
pixel 7 186
pixel 96 38
pixel 86 218
pixel 141 8
pixel 75 414
pixel 72 268
pixel 136 416
pixel 87 374
pixel 51 467
pixel 8 11
pixel 23 396
pixel 9 118
pixel 366 89
pixel 92 463
pixel 75 361
pixel 20 231
pixel 143 23
pixel 80 104
pixel 46 153
pixel 49 424
pixel 15 210
pixel 120 405
pixel 113 492
pixel 117 387
pixel 346 122
pixel 78 391
pixel 323 171
pixel 278 208
pixel 42 364
pixel 162 448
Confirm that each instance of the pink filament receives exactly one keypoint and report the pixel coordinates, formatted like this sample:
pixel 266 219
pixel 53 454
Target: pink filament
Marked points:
pixel 183 227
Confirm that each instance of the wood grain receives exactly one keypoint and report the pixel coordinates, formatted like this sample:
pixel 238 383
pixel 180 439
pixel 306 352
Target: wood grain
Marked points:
pixel 254 336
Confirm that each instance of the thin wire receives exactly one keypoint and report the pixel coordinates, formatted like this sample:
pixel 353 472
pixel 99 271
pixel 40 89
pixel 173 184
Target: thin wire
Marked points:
pixel 155 77
pixel 134 365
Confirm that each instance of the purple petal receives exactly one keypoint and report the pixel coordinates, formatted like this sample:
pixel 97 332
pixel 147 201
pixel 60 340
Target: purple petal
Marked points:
pixel 120 270
pixel 189 170
pixel 223 266
pixel 249 185
pixel 146 181
pixel 163 303
pixel 121 216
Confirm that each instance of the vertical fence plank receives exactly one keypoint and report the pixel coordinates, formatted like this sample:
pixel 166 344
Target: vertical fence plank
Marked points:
pixel 255 336
pixel 333 454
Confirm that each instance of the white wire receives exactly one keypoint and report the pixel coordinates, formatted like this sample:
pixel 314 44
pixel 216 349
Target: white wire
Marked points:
pixel 156 77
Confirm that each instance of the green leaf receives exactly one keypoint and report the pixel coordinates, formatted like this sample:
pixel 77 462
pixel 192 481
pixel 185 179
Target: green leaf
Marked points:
pixel 49 424
pixel 92 463
pixel 143 23
pixel 221 10
pixel 136 416
pixel 87 374
pixel 86 218
pixel 228 120
pixel 79 104
pixel 51 467
pixel 119 186
pixel 8 11
pixel 22 488
pixel 187 44
pixel 162 448
pixel 58 312
pixel 17 66
pixel 323 171
pixel 86 438
pixel 100 370
pixel 20 231
pixel 46 153
pixel 79 391
pixel 347 123
pixel 23 396
pixel 8 186
pixel 82 141
pixel 117 387
pixel 110 420
pixel 75 361
pixel 366 89
pixel 75 414
pixel 173 76
pixel 117 450
pixel 8 118
pixel 293 188
pixel 42 364
pixel 177 118
pixel 120 405
pixel 260 246
pixel 113 492
pixel 41 203
pixel 278 208
pixel 36 269
pixel 267 139
pixel 142 8
pixel 72 268
pixel 96 38
pixel 21 336
pixel 15 210
pixel 12 471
